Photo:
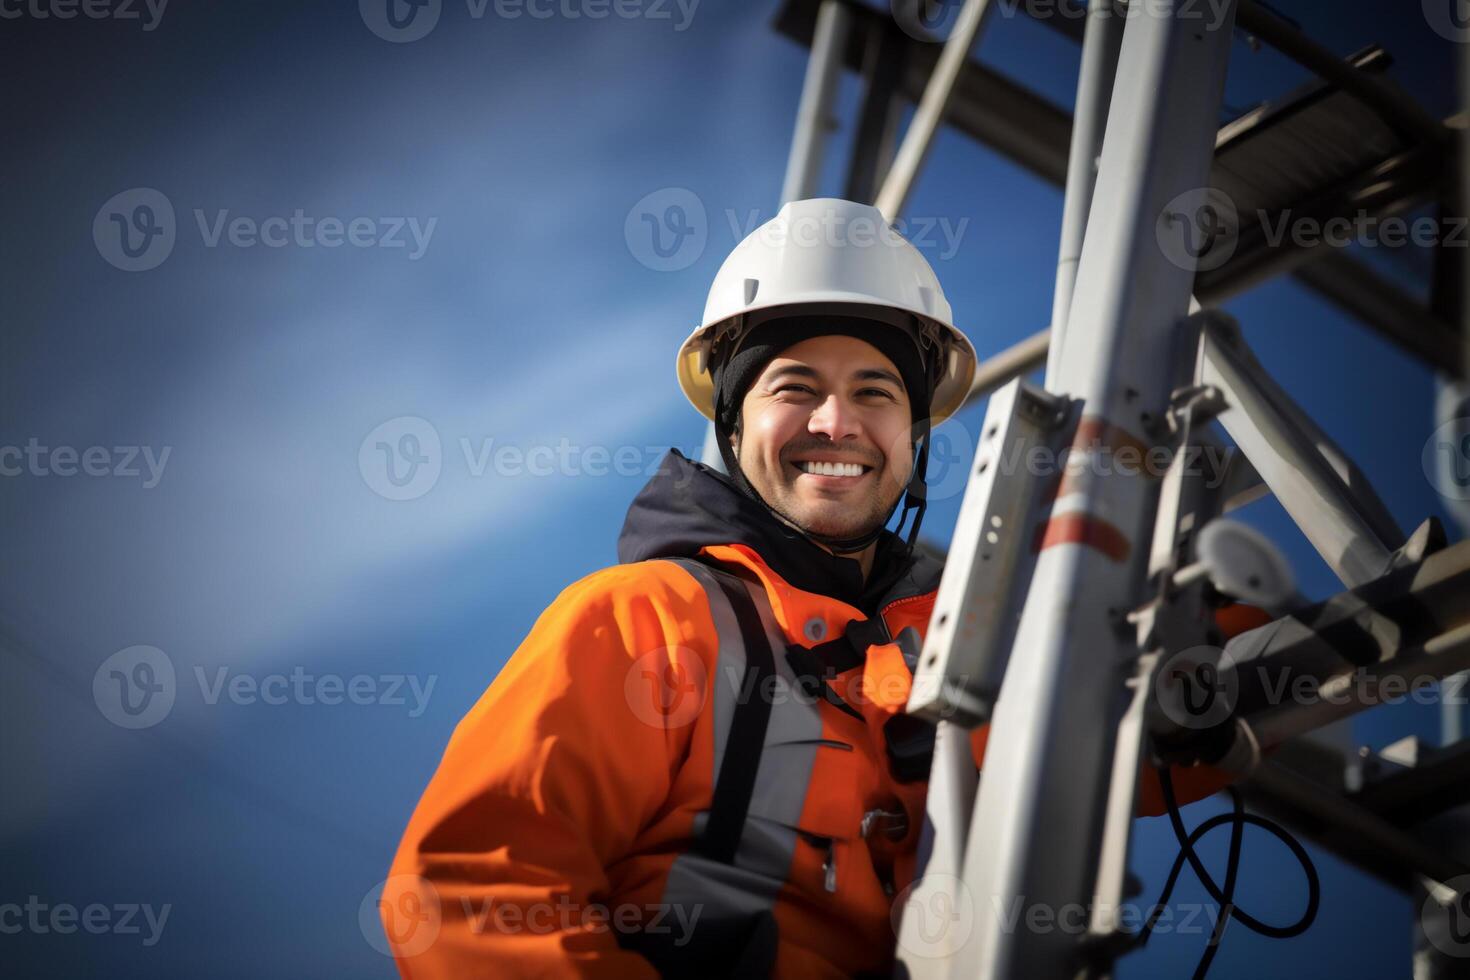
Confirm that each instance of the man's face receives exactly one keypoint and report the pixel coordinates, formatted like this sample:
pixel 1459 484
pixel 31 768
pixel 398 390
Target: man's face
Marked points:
pixel 832 399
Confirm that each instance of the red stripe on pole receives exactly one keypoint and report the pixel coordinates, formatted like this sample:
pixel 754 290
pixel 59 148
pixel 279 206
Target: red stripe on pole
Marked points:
pixel 1083 529
pixel 1094 433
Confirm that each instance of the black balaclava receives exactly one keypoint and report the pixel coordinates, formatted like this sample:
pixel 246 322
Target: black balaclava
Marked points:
pixel 734 371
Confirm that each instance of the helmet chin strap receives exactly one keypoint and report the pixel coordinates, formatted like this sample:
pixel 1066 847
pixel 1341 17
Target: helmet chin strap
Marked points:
pixel 913 499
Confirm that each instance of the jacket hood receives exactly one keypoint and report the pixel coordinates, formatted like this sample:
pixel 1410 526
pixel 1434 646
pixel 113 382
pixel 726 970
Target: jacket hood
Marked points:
pixel 688 505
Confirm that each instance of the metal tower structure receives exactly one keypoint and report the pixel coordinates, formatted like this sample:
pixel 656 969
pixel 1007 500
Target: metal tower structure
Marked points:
pixel 1102 582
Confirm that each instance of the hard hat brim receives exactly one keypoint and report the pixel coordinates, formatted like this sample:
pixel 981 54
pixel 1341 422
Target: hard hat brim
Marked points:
pixel 950 391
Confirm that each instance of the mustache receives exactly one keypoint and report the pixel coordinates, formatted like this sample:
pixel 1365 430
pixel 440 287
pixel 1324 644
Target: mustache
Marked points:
pixel 873 459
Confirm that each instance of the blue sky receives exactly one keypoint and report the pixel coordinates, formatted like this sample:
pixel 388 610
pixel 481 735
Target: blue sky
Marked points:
pixel 528 320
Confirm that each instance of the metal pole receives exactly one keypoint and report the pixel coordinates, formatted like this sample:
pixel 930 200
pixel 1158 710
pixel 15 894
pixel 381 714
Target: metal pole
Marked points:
pixel 1036 833
pixel 1100 44
pixel 1391 103
pixel 998 370
pixel 818 92
pixel 930 112
pixel 878 118
pixel 1373 830
pixel 1347 693
pixel 1325 493
pixel 1453 713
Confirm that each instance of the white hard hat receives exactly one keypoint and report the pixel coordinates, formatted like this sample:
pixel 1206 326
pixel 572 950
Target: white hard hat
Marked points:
pixel 825 250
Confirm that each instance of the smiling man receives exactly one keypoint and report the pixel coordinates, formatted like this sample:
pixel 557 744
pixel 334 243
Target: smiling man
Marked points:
pixel 823 435
pixel 696 763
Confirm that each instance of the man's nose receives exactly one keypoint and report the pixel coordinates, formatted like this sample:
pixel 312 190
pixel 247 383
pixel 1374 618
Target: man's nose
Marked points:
pixel 834 419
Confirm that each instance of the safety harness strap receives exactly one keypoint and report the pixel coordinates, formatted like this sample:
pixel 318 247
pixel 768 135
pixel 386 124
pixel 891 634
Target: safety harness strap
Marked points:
pixel 747 734
pixel 816 667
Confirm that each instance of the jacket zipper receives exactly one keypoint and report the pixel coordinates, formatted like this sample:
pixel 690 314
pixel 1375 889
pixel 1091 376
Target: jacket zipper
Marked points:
pixel 883 622
pixel 829 862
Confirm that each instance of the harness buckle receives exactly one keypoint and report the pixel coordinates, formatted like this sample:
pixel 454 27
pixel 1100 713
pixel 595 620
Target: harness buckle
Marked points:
pixel 894 824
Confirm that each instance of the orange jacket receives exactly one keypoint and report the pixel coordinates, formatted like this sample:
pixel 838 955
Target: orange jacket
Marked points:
pixel 556 834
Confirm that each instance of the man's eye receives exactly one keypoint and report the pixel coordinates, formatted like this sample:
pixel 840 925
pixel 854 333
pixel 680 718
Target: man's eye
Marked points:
pixel 876 391
pixel 794 388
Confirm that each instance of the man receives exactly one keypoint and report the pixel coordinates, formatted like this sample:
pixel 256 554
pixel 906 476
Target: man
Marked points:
pixel 696 764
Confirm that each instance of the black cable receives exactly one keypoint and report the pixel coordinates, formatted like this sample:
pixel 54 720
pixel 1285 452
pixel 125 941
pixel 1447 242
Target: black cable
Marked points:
pixel 1225 896
pixel 1232 871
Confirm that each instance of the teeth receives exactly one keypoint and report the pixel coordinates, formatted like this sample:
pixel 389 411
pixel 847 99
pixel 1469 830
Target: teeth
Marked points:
pixel 832 469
